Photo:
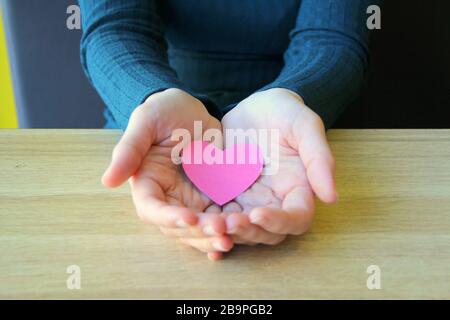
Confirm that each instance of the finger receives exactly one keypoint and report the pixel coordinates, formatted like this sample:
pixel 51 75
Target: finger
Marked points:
pixel 149 201
pixel 208 225
pixel 241 241
pixel 213 133
pixel 214 256
pixel 232 207
pixel 212 224
pixel 317 158
pixel 244 232
pixel 214 208
pixel 207 245
pixel 295 216
pixel 131 149
pixel 238 240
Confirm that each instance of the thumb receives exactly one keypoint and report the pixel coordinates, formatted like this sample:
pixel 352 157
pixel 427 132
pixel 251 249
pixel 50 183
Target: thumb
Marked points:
pixel 129 153
pixel 317 158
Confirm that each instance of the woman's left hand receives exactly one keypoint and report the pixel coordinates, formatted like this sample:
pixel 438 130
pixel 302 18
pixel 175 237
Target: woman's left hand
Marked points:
pixel 283 203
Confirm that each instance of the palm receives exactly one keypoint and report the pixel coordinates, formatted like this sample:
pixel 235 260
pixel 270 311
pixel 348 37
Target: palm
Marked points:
pixel 159 188
pixel 168 180
pixel 277 205
pixel 282 203
pixel 271 190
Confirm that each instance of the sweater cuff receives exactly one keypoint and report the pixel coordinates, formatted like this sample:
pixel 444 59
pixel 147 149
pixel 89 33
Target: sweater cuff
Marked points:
pixel 212 108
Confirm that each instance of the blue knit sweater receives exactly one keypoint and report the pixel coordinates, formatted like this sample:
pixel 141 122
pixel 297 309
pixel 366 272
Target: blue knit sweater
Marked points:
pixel 221 51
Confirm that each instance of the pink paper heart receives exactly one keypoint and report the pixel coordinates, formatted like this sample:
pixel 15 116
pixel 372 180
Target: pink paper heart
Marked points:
pixel 222 175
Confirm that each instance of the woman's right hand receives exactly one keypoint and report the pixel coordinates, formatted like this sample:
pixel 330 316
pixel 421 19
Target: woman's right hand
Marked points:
pixel 161 193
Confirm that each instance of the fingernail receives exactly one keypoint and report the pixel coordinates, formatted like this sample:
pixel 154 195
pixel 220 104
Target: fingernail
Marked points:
pixel 257 219
pixel 181 224
pixel 218 246
pixel 210 257
pixel 233 229
pixel 208 230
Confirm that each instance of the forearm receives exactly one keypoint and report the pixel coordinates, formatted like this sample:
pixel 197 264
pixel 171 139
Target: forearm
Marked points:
pixel 327 59
pixel 328 78
pixel 124 54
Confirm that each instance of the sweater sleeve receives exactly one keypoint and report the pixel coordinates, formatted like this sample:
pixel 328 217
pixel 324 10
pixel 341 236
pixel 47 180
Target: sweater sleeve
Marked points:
pixel 124 54
pixel 327 58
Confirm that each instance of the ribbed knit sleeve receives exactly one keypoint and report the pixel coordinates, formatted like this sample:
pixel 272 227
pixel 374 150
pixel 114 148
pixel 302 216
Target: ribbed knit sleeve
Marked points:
pixel 327 58
pixel 123 53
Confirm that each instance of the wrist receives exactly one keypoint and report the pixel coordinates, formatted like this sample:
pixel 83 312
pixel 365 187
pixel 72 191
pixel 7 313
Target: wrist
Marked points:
pixel 172 99
pixel 170 92
pixel 283 92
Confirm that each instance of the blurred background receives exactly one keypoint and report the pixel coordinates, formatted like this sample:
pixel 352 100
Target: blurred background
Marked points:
pixel 42 84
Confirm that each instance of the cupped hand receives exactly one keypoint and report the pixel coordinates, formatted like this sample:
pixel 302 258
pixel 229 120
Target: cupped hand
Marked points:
pixel 282 203
pixel 161 193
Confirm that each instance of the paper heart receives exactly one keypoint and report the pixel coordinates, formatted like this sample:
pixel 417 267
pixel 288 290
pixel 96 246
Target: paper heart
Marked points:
pixel 222 175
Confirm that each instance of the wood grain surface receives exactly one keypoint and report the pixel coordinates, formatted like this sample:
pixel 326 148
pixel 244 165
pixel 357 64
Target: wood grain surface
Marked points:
pixel 393 212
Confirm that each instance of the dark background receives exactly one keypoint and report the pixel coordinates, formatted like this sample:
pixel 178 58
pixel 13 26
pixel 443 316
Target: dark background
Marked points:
pixel 408 86
pixel 409 83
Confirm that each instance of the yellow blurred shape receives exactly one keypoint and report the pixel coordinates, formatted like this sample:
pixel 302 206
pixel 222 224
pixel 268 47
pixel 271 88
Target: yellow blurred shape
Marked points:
pixel 8 118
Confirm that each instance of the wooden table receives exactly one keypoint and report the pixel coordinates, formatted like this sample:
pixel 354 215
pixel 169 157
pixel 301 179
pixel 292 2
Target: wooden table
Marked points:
pixel 394 212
